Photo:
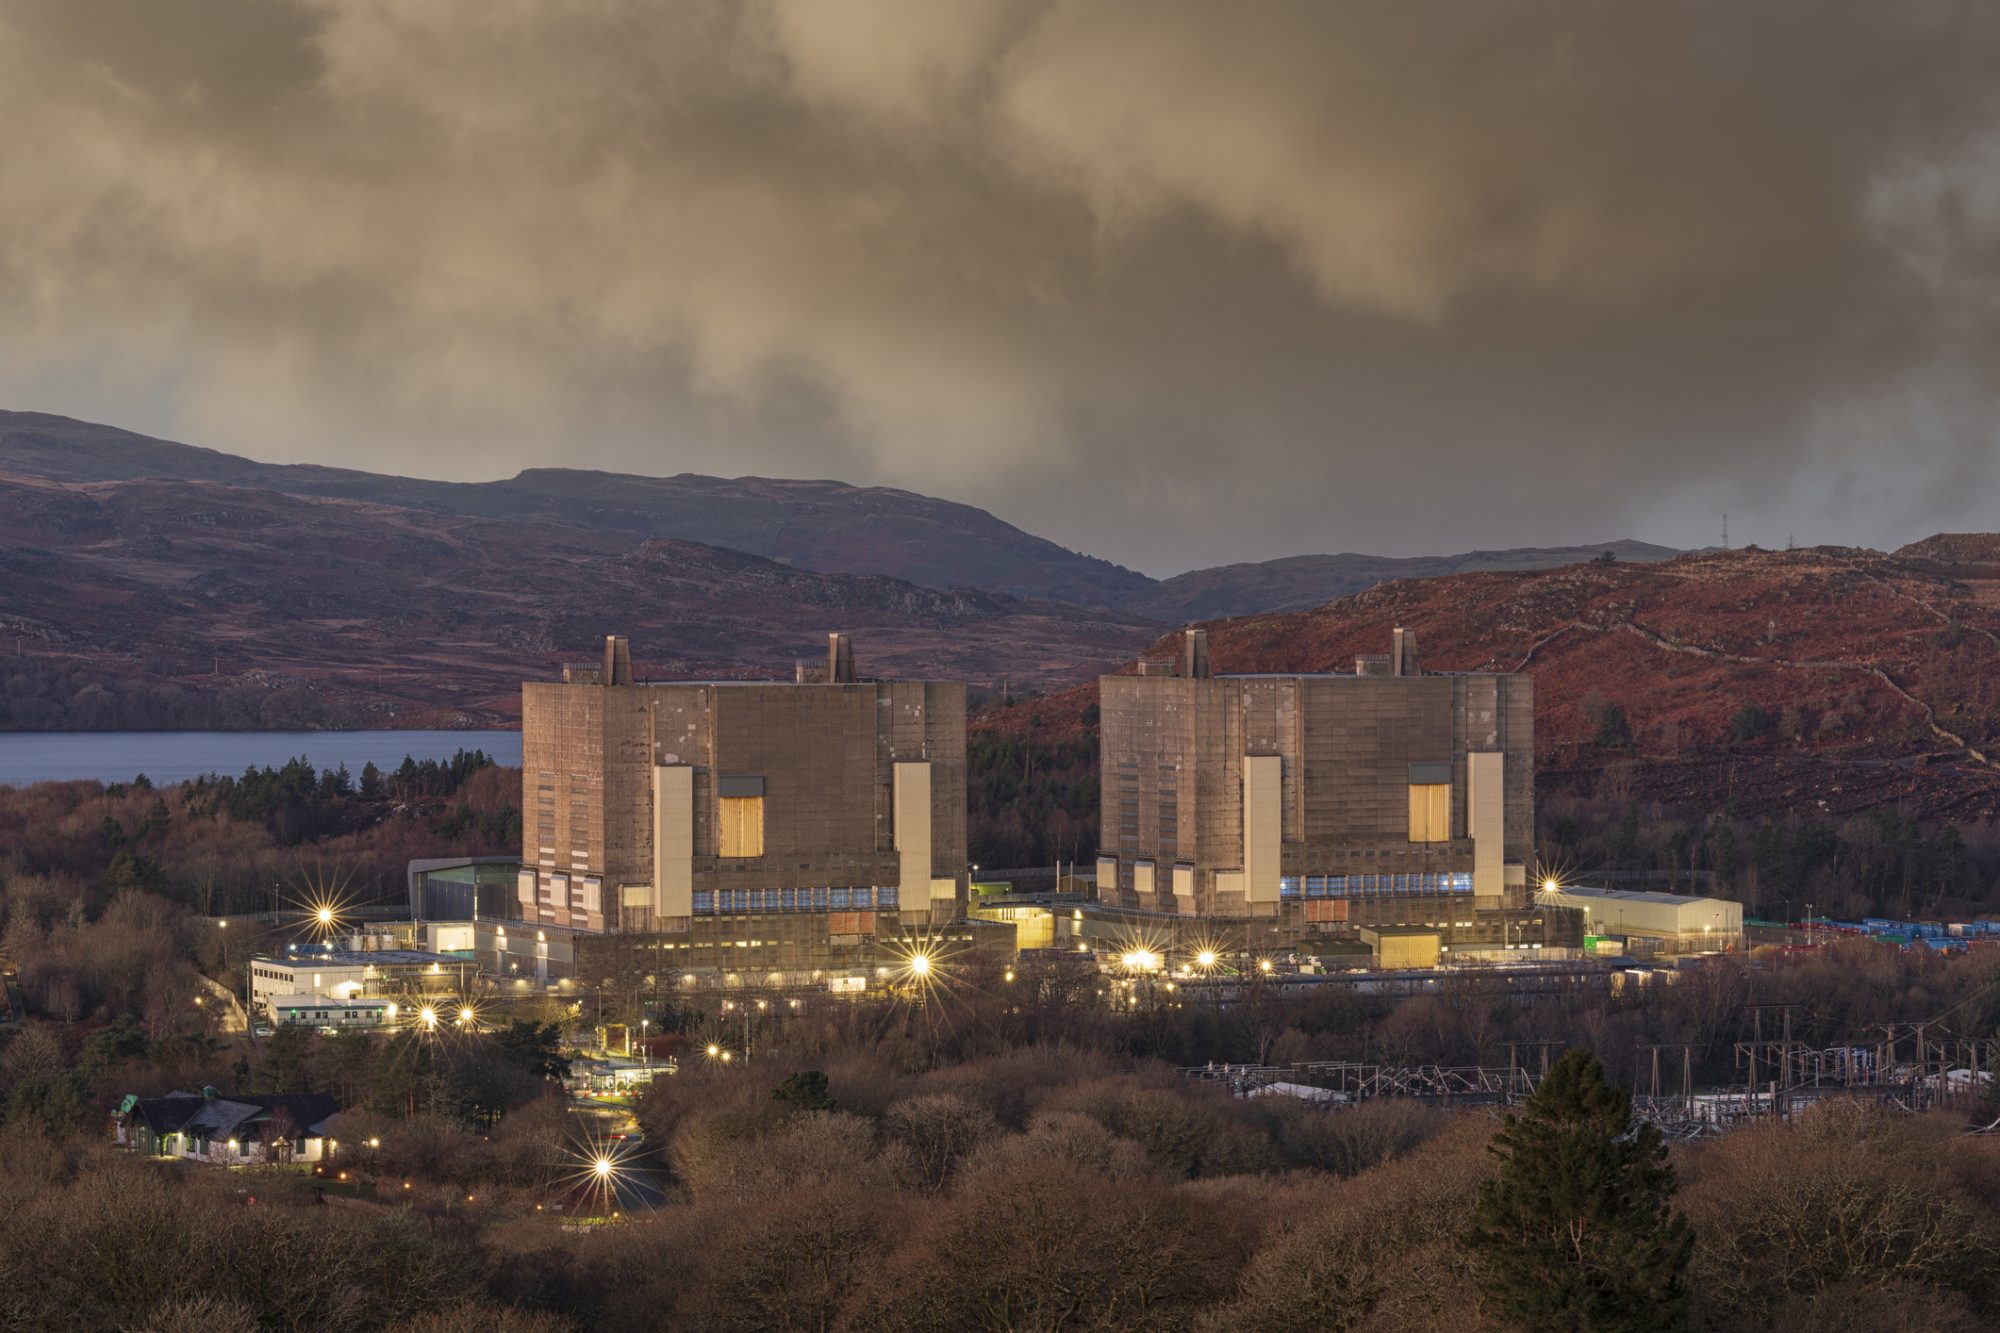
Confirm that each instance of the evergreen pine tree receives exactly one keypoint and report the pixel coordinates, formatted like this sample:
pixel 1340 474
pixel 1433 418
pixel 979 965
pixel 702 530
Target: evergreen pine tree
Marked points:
pixel 1578 1230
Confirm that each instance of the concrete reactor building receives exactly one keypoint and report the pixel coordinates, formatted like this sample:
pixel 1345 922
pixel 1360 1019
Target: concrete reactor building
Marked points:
pixel 823 807
pixel 1322 804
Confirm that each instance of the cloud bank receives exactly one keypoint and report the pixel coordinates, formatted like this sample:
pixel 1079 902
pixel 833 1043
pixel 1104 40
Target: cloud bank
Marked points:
pixel 1173 282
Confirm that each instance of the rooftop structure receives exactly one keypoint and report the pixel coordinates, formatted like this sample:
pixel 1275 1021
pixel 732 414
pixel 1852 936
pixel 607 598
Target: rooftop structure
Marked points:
pixel 832 805
pixel 1383 797
pixel 464 888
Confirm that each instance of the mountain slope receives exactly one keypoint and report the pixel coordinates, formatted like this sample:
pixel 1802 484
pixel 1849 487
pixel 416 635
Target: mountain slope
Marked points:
pixel 1301 581
pixel 828 526
pixel 148 596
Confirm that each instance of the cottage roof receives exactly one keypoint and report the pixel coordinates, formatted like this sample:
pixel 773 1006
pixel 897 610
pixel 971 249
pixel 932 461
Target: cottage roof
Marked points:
pixel 208 1115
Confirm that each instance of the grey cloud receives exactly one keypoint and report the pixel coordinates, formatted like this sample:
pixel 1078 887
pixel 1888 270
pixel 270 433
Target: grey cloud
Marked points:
pixel 1174 282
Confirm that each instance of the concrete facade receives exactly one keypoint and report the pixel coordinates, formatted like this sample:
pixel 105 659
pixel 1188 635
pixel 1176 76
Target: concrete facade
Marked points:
pixel 1387 795
pixel 649 805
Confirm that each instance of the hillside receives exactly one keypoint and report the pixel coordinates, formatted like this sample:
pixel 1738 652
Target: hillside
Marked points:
pixel 1877 676
pixel 1302 581
pixel 160 603
pixel 826 526
pixel 1829 680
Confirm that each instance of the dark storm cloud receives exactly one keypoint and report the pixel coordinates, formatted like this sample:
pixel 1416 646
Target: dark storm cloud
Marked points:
pixel 1171 282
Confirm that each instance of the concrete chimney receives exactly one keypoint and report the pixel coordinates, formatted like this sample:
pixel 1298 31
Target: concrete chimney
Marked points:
pixel 617 660
pixel 1194 655
pixel 839 660
pixel 1403 653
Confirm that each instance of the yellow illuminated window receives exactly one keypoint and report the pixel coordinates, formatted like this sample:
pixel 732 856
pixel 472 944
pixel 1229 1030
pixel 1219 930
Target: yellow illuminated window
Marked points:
pixel 742 825
pixel 1430 812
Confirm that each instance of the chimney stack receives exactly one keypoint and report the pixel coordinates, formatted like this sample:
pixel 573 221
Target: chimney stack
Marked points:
pixel 839 660
pixel 617 660
pixel 1403 653
pixel 1194 655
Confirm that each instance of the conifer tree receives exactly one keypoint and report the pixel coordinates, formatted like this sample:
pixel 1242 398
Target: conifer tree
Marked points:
pixel 1578 1230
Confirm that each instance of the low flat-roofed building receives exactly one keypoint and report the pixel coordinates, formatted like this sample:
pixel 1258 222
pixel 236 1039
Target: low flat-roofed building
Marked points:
pixel 345 974
pixel 324 1011
pixel 1672 922
pixel 508 952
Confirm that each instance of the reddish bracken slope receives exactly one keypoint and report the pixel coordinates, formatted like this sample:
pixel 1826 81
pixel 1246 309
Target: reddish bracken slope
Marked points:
pixel 1879 673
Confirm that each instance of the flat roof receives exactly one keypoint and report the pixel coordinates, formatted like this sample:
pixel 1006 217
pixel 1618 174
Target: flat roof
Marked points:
pixel 1638 896
pixel 767 682
pixel 311 957
pixel 1307 675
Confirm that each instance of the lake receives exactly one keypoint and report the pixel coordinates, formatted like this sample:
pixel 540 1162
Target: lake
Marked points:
pixel 175 756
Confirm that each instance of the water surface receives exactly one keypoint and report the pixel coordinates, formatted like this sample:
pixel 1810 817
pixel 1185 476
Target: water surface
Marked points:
pixel 175 756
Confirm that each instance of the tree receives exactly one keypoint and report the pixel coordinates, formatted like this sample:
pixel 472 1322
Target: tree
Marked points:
pixel 1578 1229
pixel 805 1090
pixel 1614 729
pixel 1750 723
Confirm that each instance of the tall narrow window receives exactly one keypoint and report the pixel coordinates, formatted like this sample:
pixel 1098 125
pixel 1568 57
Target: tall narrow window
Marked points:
pixel 1430 812
pixel 742 825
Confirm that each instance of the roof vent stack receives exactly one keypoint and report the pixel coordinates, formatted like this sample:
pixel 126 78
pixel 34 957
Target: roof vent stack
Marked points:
pixel 617 660
pixel 1403 653
pixel 1194 655
pixel 839 660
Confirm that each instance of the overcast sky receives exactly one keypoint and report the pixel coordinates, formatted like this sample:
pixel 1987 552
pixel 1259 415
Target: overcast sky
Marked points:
pixel 1175 283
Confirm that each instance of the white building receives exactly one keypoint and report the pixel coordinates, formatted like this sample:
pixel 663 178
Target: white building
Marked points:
pixel 1670 922
pixel 328 977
